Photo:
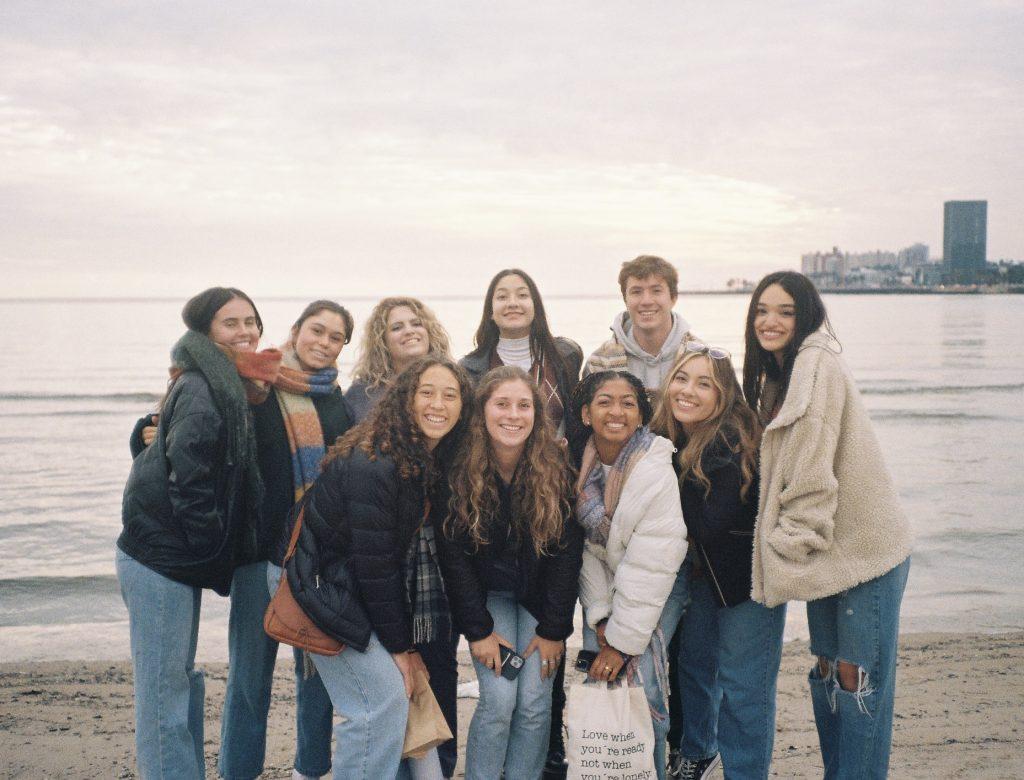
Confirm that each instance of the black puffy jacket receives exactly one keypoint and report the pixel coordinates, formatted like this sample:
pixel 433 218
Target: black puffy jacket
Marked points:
pixel 721 524
pixel 184 508
pixel 547 586
pixel 348 573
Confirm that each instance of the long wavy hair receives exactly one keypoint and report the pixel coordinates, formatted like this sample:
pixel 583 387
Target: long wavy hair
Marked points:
pixel 732 425
pixel 758 363
pixel 542 343
pixel 540 484
pixel 577 432
pixel 390 428
pixel 375 366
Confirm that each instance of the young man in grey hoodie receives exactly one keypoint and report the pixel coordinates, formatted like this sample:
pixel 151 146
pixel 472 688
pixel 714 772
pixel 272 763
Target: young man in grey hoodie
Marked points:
pixel 647 336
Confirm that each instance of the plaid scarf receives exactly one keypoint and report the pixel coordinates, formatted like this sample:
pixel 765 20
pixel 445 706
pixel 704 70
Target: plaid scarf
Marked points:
pixel 595 500
pixel 545 376
pixel 424 587
pixel 295 389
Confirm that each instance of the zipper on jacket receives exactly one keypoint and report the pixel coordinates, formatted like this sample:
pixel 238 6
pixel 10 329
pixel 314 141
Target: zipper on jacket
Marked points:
pixel 711 571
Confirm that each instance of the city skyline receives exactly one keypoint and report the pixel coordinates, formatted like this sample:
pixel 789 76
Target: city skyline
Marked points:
pixel 156 150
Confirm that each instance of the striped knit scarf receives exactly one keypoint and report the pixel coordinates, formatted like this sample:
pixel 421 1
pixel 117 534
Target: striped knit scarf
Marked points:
pixel 595 500
pixel 295 389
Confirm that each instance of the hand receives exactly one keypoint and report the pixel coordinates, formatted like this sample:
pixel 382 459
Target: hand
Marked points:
pixel 550 654
pixel 486 651
pixel 149 432
pixel 408 664
pixel 601 641
pixel 607 664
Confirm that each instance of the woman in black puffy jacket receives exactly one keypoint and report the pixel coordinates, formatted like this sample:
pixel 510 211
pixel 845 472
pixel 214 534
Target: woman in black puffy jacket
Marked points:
pixel 186 514
pixel 511 558
pixel 365 567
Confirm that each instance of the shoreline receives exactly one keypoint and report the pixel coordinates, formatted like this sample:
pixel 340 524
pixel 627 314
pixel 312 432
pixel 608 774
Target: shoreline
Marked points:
pixel 959 713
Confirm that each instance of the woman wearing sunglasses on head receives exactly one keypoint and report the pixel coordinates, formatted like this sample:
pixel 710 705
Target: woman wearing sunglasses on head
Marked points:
pixel 830 529
pixel 716 436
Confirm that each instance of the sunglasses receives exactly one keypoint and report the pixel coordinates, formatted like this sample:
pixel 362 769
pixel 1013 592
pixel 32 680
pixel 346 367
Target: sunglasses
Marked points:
pixel 716 353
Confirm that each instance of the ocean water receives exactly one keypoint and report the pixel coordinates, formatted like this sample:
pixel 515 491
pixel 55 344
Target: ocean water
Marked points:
pixel 943 378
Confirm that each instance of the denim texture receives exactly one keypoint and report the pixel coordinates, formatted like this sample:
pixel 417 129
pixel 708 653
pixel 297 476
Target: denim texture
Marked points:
pixel 859 626
pixel 441 659
pixel 511 726
pixel 737 690
pixel 671 613
pixel 163 619
pixel 252 655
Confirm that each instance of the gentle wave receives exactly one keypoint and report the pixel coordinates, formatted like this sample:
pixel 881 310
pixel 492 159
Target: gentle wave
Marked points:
pixel 941 389
pixel 126 397
pixel 67 413
pixel 909 414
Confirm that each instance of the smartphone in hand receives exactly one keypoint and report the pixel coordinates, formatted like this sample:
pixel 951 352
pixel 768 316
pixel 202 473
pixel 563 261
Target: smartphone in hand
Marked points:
pixel 511 663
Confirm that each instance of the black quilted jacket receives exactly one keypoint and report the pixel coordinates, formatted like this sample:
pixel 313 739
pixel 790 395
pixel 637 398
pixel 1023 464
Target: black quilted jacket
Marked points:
pixel 348 573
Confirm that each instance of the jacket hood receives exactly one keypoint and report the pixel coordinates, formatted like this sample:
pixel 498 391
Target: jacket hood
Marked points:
pixel 622 327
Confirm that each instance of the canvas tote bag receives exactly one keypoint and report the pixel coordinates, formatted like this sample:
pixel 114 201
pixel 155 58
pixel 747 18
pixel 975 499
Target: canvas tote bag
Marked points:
pixel 610 732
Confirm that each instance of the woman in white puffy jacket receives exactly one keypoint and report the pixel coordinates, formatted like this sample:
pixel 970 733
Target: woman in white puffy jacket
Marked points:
pixel 628 504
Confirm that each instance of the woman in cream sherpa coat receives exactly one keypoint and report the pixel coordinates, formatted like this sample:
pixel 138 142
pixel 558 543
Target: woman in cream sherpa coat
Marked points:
pixel 830 530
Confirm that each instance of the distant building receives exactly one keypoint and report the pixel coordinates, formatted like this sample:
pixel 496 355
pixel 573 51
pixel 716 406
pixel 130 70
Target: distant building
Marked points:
pixel 826 269
pixel 912 256
pixel 964 230
pixel 928 275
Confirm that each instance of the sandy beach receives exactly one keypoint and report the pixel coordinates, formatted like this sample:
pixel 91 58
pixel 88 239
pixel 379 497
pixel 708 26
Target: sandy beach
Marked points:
pixel 959 713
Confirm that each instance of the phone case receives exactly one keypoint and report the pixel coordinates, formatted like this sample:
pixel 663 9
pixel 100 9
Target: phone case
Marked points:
pixel 511 663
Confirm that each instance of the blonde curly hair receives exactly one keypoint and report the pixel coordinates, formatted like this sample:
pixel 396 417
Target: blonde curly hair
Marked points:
pixel 541 485
pixel 374 366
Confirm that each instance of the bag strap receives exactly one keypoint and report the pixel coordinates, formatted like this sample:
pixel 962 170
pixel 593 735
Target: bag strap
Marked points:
pixel 293 542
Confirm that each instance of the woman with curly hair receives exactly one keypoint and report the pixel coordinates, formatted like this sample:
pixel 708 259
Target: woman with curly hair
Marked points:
pixel 398 330
pixel 511 558
pixel 627 500
pixel 729 646
pixel 514 331
pixel 365 567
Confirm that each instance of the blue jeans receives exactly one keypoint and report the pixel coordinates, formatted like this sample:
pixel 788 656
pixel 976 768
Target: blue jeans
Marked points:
pixel 736 691
pixel 252 654
pixel 511 725
pixel 368 695
pixel 163 620
pixel 859 626
pixel 671 613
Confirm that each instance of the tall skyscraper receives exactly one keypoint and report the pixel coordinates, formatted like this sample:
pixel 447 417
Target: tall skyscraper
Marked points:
pixel 963 238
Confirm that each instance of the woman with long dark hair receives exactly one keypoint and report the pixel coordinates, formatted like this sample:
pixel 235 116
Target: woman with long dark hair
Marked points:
pixel 514 331
pixel 187 513
pixel 830 529
pixel 511 560
pixel 627 500
pixel 366 563
pixel 716 435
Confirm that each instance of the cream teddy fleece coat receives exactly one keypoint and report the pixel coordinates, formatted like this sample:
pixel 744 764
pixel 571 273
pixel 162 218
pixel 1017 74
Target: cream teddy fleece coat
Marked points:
pixel 629 580
pixel 828 517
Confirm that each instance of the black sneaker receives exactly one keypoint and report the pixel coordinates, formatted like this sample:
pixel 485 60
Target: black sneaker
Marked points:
pixel 685 769
pixel 556 766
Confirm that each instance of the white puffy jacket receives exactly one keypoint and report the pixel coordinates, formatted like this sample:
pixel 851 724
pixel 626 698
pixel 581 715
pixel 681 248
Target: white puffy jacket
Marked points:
pixel 629 580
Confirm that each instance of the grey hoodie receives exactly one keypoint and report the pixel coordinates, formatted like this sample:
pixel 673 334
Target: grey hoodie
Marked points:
pixel 649 369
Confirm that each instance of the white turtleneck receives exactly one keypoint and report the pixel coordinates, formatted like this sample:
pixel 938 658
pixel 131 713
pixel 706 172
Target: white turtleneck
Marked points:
pixel 515 352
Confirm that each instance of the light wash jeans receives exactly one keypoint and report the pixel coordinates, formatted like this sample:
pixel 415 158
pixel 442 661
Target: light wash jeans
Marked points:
pixel 163 620
pixel 671 612
pixel 368 695
pixel 252 654
pixel 736 692
pixel 859 626
pixel 511 725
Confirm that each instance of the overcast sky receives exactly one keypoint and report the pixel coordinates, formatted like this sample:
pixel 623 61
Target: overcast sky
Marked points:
pixel 380 148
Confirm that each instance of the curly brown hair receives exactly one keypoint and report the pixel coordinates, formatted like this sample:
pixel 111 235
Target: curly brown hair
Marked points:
pixel 732 423
pixel 374 365
pixel 541 485
pixel 390 429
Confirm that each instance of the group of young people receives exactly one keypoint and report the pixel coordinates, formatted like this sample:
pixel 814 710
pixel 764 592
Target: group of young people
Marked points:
pixel 484 497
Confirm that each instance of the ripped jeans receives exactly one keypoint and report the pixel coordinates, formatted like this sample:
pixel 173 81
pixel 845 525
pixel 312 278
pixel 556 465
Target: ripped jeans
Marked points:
pixel 859 626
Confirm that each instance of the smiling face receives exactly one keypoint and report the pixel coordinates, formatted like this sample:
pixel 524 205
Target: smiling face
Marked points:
pixel 406 337
pixel 319 340
pixel 437 404
pixel 775 320
pixel 693 393
pixel 508 417
pixel 614 414
pixel 649 303
pixel 512 307
pixel 234 325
